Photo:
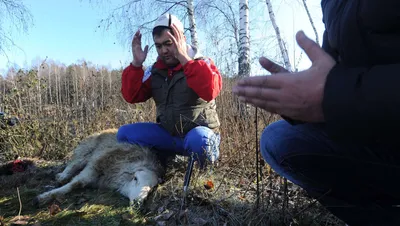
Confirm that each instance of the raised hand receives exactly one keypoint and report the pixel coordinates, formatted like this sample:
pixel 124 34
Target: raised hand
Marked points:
pixel 180 50
pixel 139 55
pixel 296 95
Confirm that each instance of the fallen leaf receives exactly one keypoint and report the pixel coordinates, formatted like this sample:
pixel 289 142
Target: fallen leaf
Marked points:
pixel 20 220
pixel 209 185
pixel 54 209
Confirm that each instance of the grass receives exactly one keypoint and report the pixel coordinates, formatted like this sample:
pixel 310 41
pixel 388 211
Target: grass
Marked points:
pixel 48 133
pixel 231 201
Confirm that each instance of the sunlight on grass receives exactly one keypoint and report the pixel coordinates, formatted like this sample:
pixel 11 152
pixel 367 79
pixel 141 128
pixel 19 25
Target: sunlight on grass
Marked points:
pixel 100 208
pixel 53 130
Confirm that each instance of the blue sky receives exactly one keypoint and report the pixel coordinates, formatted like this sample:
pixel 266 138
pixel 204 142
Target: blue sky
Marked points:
pixel 65 31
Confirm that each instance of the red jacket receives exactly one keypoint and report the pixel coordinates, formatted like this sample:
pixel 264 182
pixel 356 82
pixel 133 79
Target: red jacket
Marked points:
pixel 201 75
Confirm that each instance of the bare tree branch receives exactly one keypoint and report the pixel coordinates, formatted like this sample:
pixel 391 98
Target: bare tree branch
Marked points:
pixel 19 18
pixel 311 21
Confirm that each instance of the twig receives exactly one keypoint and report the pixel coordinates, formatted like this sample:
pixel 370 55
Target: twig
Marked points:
pixel 20 205
pixel 285 200
pixel 257 162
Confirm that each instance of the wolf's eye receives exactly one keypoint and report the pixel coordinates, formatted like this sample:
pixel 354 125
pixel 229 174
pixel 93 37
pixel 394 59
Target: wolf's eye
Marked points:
pixel 135 178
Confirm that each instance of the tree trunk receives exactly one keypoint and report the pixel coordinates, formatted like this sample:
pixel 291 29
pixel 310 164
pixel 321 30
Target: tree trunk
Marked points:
pixel 50 94
pixel 192 24
pixel 56 79
pixel 311 21
pixel 244 46
pixel 282 47
pixel 102 89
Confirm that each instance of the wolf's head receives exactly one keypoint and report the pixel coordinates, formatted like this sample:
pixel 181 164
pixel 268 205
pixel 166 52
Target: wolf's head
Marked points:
pixel 140 184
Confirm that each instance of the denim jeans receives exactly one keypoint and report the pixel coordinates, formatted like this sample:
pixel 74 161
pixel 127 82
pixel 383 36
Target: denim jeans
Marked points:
pixel 357 183
pixel 201 141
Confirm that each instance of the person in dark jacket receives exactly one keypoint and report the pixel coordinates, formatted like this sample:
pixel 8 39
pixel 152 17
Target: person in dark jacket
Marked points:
pixel 183 85
pixel 339 135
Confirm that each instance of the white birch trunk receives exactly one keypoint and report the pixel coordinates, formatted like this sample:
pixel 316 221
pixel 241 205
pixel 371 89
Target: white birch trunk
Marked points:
pixel 282 47
pixel 39 88
pixel 56 79
pixel 244 46
pixel 311 21
pixel 50 94
pixel 192 24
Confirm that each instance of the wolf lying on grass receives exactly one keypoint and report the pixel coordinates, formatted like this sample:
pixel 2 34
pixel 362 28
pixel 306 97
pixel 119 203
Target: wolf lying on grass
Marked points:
pixel 100 161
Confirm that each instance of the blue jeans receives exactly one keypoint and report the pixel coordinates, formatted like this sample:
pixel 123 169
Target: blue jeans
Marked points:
pixel 358 183
pixel 201 141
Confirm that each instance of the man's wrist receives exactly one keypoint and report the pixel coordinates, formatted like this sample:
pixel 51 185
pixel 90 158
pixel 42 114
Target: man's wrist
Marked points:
pixel 134 63
pixel 183 59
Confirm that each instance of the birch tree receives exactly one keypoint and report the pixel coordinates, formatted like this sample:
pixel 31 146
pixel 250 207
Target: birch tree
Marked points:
pixel 311 21
pixel 134 14
pixel 17 16
pixel 244 46
pixel 281 43
pixel 192 24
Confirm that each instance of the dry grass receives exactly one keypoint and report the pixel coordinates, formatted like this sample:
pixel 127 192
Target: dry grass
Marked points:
pixel 50 135
pixel 230 202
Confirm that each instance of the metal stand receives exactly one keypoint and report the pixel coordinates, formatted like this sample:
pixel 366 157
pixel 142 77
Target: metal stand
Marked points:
pixel 188 174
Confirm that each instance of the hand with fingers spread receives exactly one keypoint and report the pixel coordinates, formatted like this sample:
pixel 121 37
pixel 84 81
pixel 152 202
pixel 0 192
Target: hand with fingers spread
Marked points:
pixel 179 42
pixel 139 55
pixel 295 95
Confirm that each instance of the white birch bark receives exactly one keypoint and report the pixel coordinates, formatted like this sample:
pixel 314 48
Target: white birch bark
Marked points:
pixel 282 47
pixel 244 46
pixel 311 21
pixel 192 24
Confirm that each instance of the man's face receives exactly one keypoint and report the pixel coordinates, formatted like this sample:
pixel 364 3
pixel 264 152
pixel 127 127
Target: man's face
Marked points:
pixel 165 48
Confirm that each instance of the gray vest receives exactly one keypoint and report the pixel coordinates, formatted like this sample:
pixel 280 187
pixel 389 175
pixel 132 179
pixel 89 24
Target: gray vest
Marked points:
pixel 179 108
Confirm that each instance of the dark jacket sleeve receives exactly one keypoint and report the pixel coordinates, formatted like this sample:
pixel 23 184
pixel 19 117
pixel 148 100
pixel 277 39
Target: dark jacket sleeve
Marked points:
pixel 363 103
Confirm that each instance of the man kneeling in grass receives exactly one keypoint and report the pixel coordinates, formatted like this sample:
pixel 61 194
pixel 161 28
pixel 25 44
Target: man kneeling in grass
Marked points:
pixel 339 139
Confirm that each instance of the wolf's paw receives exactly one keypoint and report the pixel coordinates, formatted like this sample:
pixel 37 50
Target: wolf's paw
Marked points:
pixel 42 199
pixel 61 178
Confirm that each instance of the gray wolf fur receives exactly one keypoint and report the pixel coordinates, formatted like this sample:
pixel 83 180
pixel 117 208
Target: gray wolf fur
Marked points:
pixel 100 161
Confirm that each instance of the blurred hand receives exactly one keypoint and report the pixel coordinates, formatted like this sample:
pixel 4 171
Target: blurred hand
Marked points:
pixel 139 55
pixel 295 95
